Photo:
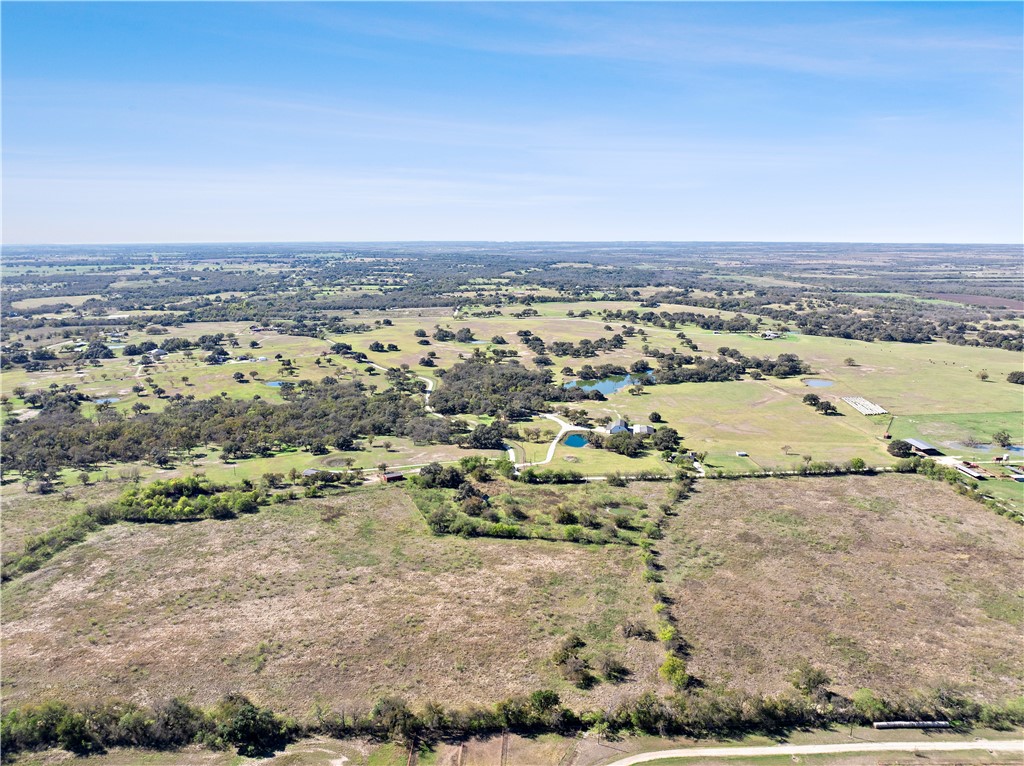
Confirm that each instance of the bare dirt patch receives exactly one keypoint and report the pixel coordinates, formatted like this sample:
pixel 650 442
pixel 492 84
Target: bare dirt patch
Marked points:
pixel 891 582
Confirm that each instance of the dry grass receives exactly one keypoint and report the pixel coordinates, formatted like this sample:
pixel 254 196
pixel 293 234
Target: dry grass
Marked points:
pixel 23 513
pixel 890 582
pixel 293 610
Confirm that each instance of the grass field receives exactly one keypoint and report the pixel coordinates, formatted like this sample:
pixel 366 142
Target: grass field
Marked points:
pixel 396 452
pixel 892 582
pixel 757 417
pixel 292 609
pixel 115 377
pixel 29 513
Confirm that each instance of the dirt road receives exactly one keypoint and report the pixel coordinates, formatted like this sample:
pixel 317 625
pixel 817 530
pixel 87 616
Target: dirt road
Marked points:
pixel 1001 746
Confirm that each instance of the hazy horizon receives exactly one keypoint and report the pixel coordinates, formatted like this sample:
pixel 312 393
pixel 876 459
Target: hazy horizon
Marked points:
pixel 358 242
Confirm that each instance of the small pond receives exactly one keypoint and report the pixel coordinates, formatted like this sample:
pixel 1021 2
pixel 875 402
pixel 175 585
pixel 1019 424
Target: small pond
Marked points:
pixel 274 383
pixel 818 382
pixel 106 400
pixel 985 447
pixel 576 440
pixel 605 385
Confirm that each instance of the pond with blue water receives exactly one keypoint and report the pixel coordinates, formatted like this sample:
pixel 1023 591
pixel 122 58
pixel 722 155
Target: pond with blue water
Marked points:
pixel 274 383
pixel 106 400
pixel 818 382
pixel 576 440
pixel 605 385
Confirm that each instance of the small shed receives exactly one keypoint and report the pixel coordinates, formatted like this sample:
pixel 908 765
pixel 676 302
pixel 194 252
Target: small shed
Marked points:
pixel 968 471
pixel 741 453
pixel 389 477
pixel 643 430
pixel 617 426
pixel 923 448
pixel 310 472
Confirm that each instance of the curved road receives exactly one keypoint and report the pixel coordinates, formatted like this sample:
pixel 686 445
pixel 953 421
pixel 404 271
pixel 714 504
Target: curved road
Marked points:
pixel 563 429
pixel 1002 746
pixel 563 426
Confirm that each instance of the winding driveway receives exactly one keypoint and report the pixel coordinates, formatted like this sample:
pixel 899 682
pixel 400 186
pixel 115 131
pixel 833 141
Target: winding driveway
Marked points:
pixel 1001 746
pixel 563 426
pixel 563 429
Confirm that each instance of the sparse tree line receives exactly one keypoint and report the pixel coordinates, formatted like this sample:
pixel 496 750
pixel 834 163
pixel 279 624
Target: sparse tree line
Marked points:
pixel 256 731
pixel 452 504
pixel 173 500
pixel 960 482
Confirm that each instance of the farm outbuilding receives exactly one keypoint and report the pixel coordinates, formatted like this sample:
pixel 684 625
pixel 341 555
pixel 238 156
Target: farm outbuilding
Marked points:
pixel 923 448
pixel 864 407
pixel 643 430
pixel 391 476
pixel 968 471
pixel 617 426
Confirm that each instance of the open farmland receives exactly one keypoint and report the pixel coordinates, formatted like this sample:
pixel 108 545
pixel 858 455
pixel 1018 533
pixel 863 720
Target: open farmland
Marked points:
pixel 338 489
pixel 888 582
pixel 305 609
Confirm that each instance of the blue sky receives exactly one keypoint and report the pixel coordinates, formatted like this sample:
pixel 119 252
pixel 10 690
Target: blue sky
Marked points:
pixel 165 122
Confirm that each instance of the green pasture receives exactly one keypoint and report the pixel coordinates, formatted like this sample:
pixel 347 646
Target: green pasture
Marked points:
pixel 932 390
pixel 1005 490
pixel 73 300
pixel 532 452
pixel 599 462
pixel 398 453
pixel 901 377
pixel 757 417
pixel 115 377
pixel 951 433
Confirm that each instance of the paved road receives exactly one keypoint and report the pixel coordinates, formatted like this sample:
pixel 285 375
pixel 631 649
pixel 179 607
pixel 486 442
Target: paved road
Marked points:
pixel 1002 746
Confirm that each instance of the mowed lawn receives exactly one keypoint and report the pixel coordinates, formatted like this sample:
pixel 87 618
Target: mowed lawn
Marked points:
pixel 340 599
pixel 892 582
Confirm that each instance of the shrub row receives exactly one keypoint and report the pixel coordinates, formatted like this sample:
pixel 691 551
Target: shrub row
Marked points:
pixel 257 731
pixel 169 501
